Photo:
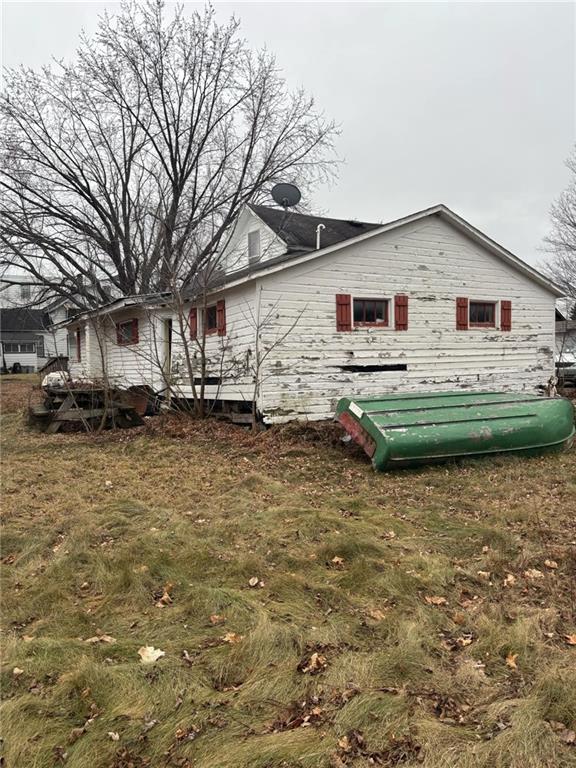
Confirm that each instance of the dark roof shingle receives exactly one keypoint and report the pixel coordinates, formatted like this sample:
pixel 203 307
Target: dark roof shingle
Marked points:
pixel 23 319
pixel 298 230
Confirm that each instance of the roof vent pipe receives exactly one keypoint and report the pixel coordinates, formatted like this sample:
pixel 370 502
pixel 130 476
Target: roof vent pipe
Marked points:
pixel 319 229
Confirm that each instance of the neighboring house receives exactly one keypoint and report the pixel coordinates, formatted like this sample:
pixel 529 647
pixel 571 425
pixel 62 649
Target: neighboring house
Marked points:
pixel 29 336
pixel 17 290
pixel 311 309
pixel 20 291
pixel 22 337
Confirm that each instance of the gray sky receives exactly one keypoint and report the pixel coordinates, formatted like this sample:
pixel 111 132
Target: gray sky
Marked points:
pixel 469 104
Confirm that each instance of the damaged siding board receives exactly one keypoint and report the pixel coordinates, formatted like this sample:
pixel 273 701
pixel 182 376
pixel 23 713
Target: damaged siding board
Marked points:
pixel 431 263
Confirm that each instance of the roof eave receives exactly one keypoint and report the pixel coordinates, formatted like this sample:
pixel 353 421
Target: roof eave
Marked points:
pixel 439 209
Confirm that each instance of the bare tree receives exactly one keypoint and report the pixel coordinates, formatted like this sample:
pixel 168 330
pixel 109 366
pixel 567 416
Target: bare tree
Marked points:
pixel 126 167
pixel 561 242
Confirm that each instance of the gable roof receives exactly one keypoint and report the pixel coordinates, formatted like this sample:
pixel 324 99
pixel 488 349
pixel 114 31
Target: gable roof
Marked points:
pixel 22 319
pixel 292 257
pixel 300 251
pixel 298 230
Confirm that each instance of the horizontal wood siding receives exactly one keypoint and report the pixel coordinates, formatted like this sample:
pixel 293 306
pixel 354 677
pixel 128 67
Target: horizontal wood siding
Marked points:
pixel 431 263
pixel 230 356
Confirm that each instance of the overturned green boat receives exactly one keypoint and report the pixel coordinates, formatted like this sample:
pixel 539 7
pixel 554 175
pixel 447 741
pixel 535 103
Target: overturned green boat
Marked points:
pixel 405 430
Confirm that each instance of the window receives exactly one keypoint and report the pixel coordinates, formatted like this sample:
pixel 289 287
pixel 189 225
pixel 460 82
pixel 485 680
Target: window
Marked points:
pixel 40 346
pixel 211 319
pixel 370 312
pixel 482 314
pixel 127 333
pixel 254 245
pixel 25 348
pixel 25 292
pixel 74 346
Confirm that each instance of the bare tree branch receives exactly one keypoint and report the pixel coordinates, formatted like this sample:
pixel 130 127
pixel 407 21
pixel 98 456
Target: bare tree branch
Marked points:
pixel 123 170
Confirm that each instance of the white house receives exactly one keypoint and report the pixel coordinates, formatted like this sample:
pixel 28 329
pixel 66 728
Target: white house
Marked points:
pixel 310 309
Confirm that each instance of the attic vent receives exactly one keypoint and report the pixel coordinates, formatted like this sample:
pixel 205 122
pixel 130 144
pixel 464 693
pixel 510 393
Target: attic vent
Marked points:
pixel 254 245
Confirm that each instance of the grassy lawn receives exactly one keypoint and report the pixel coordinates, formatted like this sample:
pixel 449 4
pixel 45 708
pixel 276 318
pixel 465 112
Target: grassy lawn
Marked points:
pixel 423 618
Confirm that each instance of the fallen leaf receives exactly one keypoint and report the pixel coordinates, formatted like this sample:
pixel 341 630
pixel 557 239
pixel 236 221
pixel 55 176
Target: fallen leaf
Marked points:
pixel 148 654
pixel 113 735
pixel 75 734
pixel 570 639
pixel 568 737
pixel 28 638
pixel 166 598
pixel 511 660
pixel 344 744
pixel 533 573
pixel 337 561
pixel 464 641
pixel 435 600
pixel 316 663
pixel 100 639
pixel 484 575
pixel 17 672
pixel 232 638
pixel 509 580
pixel 376 614
pixel 253 582
pixel 552 564
pixel 216 619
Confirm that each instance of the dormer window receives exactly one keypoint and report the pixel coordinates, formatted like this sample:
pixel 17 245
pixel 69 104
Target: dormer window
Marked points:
pixel 254 245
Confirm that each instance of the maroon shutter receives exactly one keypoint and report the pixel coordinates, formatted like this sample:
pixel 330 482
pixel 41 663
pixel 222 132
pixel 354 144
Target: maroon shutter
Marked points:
pixel 78 346
pixel 506 315
pixel 134 331
pixel 193 322
pixel 221 317
pixel 118 336
pixel 343 312
pixel 401 312
pixel 461 314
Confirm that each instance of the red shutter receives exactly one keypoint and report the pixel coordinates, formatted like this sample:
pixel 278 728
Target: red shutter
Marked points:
pixel 506 315
pixel 221 317
pixel 78 346
pixel 193 322
pixel 134 331
pixel 401 313
pixel 343 312
pixel 461 314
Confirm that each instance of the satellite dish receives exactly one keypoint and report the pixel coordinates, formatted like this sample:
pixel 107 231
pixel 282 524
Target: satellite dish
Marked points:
pixel 286 195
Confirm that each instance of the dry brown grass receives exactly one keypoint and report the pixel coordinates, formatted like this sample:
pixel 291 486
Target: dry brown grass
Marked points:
pixel 96 528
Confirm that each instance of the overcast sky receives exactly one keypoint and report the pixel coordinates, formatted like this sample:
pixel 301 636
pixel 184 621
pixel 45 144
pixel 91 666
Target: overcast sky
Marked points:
pixel 468 104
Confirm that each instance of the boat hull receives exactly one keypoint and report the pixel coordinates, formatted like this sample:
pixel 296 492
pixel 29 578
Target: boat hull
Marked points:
pixel 407 430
